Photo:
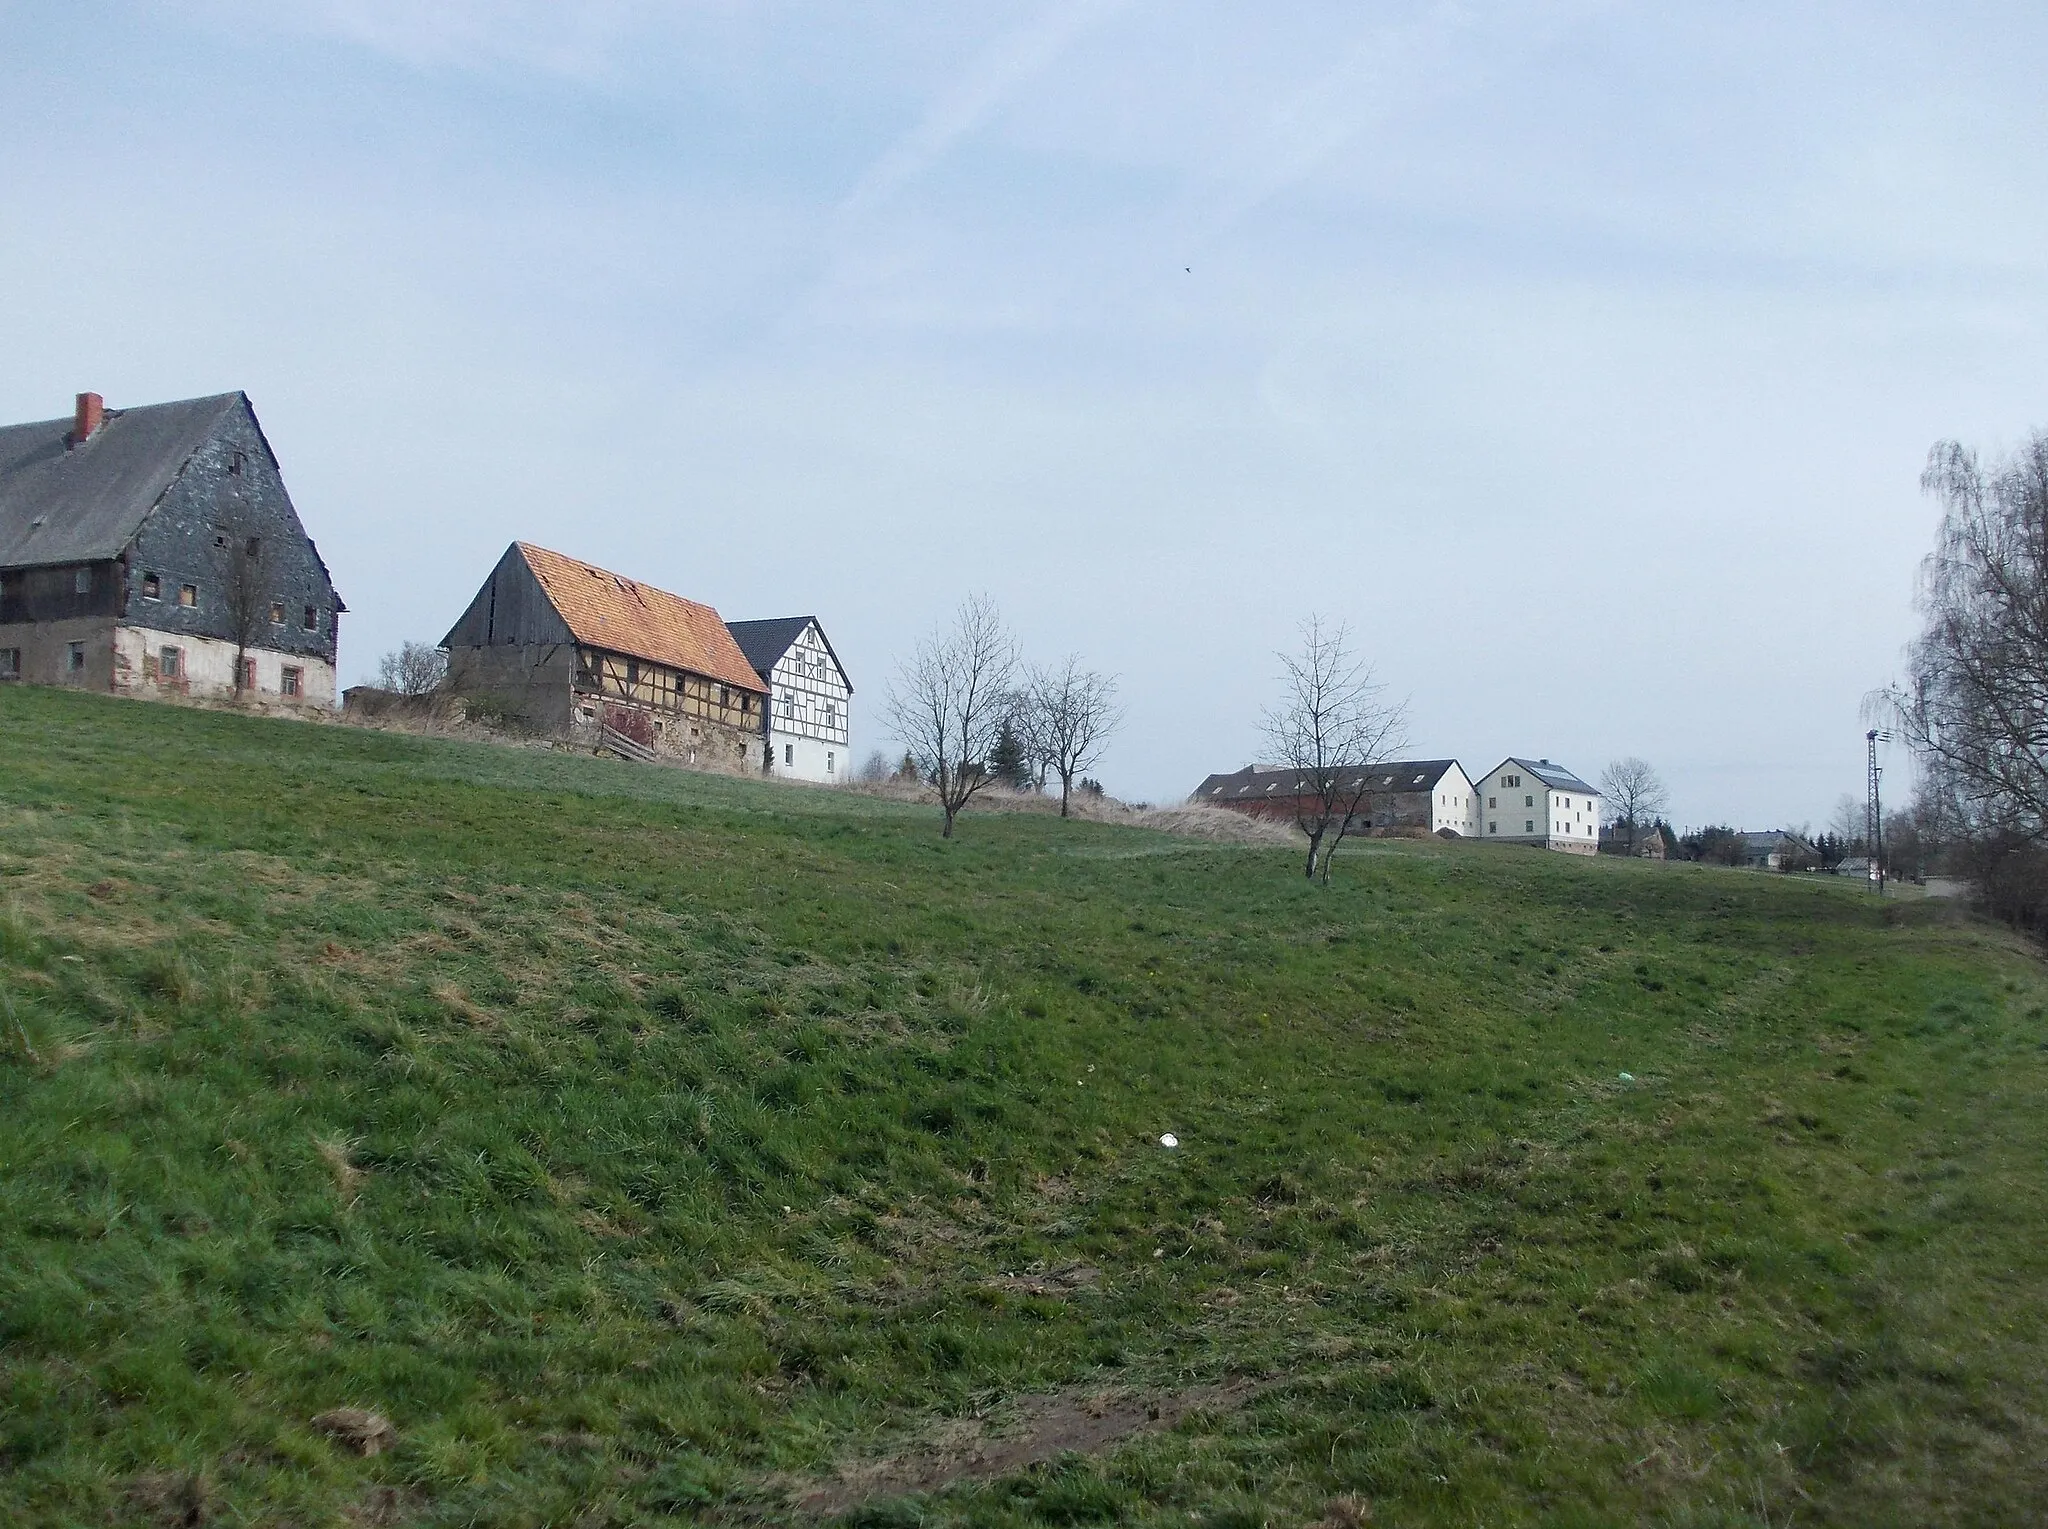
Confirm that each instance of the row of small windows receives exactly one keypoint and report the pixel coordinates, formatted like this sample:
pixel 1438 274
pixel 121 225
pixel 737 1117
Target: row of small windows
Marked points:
pixel 188 596
pixel 170 665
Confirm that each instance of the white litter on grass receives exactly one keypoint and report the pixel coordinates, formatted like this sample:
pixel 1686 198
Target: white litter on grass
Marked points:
pixel 1628 1077
pixel 1169 1140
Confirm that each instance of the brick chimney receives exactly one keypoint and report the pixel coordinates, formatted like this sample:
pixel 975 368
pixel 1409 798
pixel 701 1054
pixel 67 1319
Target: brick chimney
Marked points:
pixel 92 409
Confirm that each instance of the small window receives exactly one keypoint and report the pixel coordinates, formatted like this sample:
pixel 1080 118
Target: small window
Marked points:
pixel 188 595
pixel 312 619
pixel 831 761
pixel 632 669
pixel 289 682
pixel 81 582
pixel 277 613
pixel 1529 826
pixel 1493 828
pixel 74 658
pixel 170 664
pixel 1528 801
pixel 220 538
pixel 10 663
pixel 1493 801
pixel 724 696
pixel 789 753
pixel 236 461
pixel 152 587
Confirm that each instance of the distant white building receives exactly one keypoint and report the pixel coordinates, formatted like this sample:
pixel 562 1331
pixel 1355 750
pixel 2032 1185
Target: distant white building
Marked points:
pixel 810 702
pixel 1536 802
pixel 1394 796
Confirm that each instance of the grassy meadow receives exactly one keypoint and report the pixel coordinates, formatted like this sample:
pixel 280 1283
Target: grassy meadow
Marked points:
pixel 650 1147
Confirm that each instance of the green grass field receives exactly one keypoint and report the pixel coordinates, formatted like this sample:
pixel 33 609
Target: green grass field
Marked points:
pixel 647 1146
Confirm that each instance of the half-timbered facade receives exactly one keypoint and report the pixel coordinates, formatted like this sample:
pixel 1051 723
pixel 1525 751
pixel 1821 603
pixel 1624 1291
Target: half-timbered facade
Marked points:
pixel 578 651
pixel 154 552
pixel 810 699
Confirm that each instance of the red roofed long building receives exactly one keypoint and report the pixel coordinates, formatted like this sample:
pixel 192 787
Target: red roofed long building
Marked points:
pixel 576 650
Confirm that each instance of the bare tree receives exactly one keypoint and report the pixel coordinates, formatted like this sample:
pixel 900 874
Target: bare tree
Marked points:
pixel 247 593
pixel 1850 823
pixel 949 700
pixel 1635 796
pixel 1975 706
pixel 1332 722
pixel 1068 714
pixel 415 668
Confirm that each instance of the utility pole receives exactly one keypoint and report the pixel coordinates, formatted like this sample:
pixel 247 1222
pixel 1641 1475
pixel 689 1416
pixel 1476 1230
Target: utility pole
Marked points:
pixel 1873 811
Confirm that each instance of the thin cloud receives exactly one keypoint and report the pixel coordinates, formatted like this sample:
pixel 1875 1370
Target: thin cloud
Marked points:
pixel 1385 72
pixel 578 42
pixel 996 75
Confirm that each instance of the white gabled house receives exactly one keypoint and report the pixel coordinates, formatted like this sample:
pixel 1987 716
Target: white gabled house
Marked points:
pixel 810 702
pixel 1529 801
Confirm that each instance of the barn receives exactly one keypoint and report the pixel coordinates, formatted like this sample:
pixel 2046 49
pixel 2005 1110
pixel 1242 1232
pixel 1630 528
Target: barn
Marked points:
pixel 573 650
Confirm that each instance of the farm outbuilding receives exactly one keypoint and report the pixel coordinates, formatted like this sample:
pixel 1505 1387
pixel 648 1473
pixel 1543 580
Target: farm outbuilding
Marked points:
pixel 154 552
pixel 577 651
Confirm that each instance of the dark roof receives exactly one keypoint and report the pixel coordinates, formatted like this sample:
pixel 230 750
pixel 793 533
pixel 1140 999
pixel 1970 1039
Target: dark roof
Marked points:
pixel 1772 838
pixel 764 642
pixel 1557 777
pixel 1251 782
pixel 61 503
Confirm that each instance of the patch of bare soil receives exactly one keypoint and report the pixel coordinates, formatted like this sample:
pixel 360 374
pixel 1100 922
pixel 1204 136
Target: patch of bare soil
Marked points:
pixel 1053 1282
pixel 1033 1430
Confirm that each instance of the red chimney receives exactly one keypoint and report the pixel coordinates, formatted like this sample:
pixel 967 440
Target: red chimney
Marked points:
pixel 92 410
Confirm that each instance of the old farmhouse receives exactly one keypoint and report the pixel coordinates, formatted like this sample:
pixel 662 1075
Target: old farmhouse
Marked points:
pixel 810 699
pixel 1402 796
pixel 154 552
pixel 1537 802
pixel 577 651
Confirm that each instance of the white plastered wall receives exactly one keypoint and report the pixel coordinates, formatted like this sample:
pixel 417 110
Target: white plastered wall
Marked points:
pixel 1454 804
pixel 207 667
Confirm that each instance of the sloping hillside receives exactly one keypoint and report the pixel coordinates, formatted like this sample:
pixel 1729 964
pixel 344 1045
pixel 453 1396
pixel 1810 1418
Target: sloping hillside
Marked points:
pixel 642 1145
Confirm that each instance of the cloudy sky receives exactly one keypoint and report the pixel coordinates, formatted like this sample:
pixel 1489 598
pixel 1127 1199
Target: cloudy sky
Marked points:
pixel 1581 356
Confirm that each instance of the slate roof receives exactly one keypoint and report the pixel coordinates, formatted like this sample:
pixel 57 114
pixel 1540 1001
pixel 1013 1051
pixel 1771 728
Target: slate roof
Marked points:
pixel 1557 777
pixel 1769 840
pixel 1252 784
pixel 61 503
pixel 608 610
pixel 764 642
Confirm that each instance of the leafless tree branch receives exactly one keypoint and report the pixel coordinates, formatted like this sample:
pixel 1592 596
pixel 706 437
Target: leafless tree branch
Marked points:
pixel 1068 714
pixel 948 701
pixel 1332 721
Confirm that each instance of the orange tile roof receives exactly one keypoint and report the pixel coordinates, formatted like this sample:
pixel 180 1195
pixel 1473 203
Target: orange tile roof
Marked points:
pixel 621 615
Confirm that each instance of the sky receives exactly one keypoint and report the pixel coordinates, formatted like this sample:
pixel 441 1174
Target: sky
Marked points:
pixel 1581 357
